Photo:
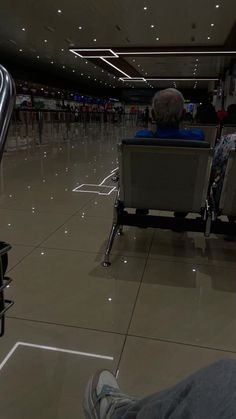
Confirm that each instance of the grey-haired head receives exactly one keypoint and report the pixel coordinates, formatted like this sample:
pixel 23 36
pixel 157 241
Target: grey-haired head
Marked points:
pixel 168 108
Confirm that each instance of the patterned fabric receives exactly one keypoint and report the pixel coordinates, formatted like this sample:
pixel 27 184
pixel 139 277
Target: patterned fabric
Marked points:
pixel 220 160
pixel 221 154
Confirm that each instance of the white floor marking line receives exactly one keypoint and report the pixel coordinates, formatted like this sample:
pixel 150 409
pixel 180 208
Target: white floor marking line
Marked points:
pixel 89 185
pixel 8 356
pixel 66 351
pixel 96 192
pixel 110 175
pixel 52 348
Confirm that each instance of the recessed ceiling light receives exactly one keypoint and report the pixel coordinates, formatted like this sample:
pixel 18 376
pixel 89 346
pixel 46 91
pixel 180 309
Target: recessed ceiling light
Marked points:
pixel 20 50
pixel 86 62
pixel 152 26
pixel 80 27
pixel 133 60
pixel 208 37
pixel 145 8
pixel 73 71
pixel 197 59
pixel 157 39
pixel 94 40
pixel 138 65
pixel 217 6
pixel 62 49
pixel 45 40
pixel 59 11
pixel 81 74
pixel 38 56
pixel 52 62
pixel 212 25
pixel 23 29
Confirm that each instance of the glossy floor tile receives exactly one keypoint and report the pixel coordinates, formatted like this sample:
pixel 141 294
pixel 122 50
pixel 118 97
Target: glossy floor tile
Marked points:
pixel 17 254
pixel 73 288
pixel 164 308
pixel 185 246
pixel 149 366
pixel 46 374
pixel 28 227
pixel 193 247
pixel 49 199
pixel 189 303
pixel 91 234
pixel 101 206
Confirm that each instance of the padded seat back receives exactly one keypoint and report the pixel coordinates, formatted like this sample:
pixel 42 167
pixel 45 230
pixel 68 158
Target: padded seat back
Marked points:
pixel 228 129
pixel 171 175
pixel 210 131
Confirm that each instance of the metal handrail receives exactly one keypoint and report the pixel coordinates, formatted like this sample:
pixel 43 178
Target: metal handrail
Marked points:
pixel 7 102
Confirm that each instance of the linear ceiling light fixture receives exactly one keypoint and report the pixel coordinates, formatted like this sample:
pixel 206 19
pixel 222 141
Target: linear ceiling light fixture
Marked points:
pixel 135 79
pixel 104 53
pixel 94 52
pixel 131 53
pixel 114 66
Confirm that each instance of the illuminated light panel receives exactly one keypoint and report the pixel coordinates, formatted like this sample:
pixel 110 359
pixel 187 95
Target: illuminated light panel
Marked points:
pixel 134 79
pixel 142 79
pixel 185 79
pixel 118 69
pixel 175 52
pixel 95 52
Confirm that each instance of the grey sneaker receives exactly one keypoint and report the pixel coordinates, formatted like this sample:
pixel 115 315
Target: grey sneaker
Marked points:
pixel 103 396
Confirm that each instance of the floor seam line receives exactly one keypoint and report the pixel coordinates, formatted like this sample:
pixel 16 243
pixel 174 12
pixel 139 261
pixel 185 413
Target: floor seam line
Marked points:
pixel 134 306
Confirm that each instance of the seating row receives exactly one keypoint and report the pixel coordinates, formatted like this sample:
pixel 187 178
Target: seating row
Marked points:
pixel 171 175
pixel 213 132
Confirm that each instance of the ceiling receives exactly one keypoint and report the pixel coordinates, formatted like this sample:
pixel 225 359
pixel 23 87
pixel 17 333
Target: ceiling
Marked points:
pixel 35 32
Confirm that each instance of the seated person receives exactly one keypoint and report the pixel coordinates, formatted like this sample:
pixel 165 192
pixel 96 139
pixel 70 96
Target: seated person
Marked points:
pixel 207 394
pixel 206 113
pixel 222 115
pixel 230 118
pixel 168 109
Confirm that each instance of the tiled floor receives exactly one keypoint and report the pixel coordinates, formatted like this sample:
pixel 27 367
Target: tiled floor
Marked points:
pixel 165 307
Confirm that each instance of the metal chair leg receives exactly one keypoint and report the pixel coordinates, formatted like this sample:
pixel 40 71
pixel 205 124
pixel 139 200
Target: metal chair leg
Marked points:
pixel 208 226
pixel 113 232
pixel 120 231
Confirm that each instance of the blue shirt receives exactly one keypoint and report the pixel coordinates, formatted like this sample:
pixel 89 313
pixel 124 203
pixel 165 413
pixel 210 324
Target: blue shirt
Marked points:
pixel 173 133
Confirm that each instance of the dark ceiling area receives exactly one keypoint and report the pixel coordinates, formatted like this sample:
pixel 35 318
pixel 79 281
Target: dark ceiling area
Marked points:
pixel 112 48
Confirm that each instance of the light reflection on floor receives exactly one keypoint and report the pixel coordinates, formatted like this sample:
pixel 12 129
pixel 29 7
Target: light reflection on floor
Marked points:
pixel 181 317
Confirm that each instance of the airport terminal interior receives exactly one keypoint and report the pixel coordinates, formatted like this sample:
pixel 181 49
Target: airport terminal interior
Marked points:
pixel 162 304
